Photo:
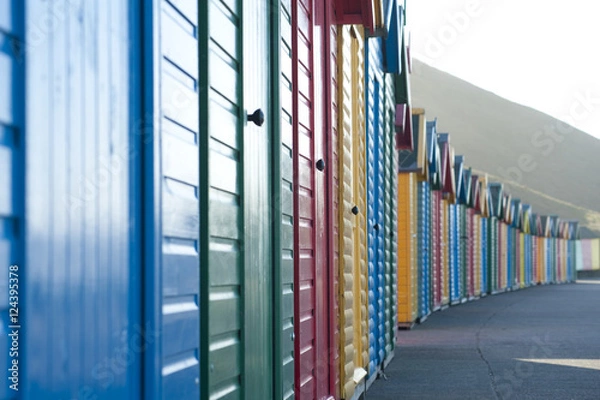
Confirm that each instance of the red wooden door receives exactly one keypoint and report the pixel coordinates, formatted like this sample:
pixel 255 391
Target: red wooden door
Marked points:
pixel 314 288
pixel 470 252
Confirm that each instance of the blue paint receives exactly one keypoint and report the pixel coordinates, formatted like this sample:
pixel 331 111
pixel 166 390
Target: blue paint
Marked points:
pixel 375 200
pixel 424 248
pixel 392 45
pixel 12 107
pixel 454 246
pixel 484 255
pixel 171 182
pixel 82 228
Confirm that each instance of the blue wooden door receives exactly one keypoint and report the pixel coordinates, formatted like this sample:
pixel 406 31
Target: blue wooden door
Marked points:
pixel 424 248
pixel 375 200
pixel 82 233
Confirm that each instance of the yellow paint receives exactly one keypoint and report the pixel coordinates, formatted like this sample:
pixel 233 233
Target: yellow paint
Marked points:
pixel 407 276
pixel 544 259
pixel 352 192
pixel 415 259
pixel 595 253
pixel 522 259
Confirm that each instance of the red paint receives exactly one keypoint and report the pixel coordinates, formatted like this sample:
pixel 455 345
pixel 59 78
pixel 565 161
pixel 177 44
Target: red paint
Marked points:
pixel 331 112
pixel 314 249
pixel 470 254
pixel 404 128
pixel 518 253
pixel 360 12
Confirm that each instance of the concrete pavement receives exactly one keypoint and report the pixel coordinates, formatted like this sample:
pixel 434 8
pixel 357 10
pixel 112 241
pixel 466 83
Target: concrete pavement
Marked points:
pixel 538 343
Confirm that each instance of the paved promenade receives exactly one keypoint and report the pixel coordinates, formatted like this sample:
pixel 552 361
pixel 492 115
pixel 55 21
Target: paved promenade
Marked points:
pixel 538 343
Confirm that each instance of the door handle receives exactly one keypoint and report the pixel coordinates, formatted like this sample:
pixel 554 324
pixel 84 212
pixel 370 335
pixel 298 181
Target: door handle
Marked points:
pixel 321 165
pixel 258 117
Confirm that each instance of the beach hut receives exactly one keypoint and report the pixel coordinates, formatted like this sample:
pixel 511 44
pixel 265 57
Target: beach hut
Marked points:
pixel 448 195
pixel 527 245
pixel 475 204
pixel 485 233
pixel 410 163
pixel 470 231
pixel 494 199
pixel 461 221
pixel 435 180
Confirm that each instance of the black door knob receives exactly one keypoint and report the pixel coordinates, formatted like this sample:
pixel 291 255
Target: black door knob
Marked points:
pixel 355 210
pixel 321 165
pixel 376 226
pixel 258 117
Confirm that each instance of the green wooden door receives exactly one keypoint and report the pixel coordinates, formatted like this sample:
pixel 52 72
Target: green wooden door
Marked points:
pixel 246 243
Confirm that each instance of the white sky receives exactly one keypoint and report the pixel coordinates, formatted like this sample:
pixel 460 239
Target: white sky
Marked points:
pixel 541 53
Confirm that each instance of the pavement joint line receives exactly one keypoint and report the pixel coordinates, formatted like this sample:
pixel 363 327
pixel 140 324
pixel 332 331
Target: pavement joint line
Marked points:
pixel 489 366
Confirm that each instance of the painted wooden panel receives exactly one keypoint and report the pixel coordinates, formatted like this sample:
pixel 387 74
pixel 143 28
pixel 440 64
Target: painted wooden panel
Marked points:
pixel 436 250
pixel 407 272
pixel 541 242
pixel 313 265
pixel 501 255
pixel 545 264
pixel 476 251
pixel 558 254
pixel 391 221
pixel 462 238
pixel 526 259
pixel 82 226
pixel 470 233
pixel 333 137
pixel 485 276
pixel 579 256
pixel 445 253
pixel 284 205
pixel 535 260
pixel 352 245
pixel 493 244
pixel 347 219
pixel 510 249
pixel 522 262
pixel 361 329
pixel 245 201
pixel 415 244
pixel 549 260
pixel 454 250
pixel 12 190
pixel 375 199
pixel 424 249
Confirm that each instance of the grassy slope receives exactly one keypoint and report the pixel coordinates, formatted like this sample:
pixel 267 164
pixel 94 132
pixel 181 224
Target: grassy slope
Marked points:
pixel 560 165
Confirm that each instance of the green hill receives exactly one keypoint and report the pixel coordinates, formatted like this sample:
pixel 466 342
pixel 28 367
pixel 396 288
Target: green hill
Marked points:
pixel 545 162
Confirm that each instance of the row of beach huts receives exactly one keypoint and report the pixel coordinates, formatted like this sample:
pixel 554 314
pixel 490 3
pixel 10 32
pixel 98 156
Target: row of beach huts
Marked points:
pixel 232 199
